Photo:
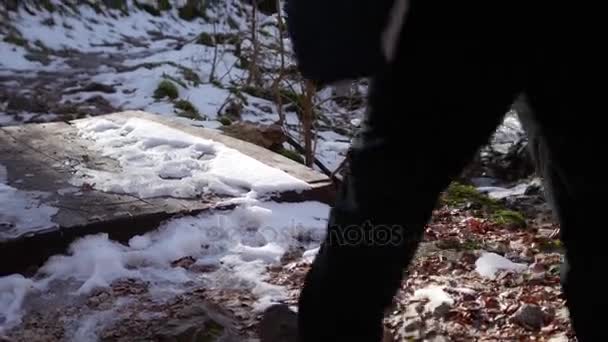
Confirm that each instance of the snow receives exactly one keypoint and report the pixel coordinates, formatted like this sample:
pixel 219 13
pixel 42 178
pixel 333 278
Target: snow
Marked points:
pixel 490 263
pixel 89 31
pixel 157 160
pixel 237 241
pixel 310 255
pixel 13 58
pixel 435 295
pixel 518 190
pixel 22 212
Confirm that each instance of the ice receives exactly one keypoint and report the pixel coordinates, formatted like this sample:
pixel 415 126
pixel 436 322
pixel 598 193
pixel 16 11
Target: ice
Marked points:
pixel 157 160
pixel 490 263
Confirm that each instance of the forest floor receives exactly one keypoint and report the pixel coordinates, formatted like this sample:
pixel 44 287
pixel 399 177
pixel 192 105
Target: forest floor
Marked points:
pixel 488 269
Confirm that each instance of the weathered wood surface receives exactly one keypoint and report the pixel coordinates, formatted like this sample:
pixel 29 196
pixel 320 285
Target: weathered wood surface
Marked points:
pixel 43 157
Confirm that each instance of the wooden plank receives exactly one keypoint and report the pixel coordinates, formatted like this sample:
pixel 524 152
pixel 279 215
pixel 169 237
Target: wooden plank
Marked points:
pixel 44 157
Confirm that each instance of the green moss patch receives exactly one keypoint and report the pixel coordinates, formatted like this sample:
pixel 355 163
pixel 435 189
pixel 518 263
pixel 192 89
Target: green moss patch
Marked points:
pixel 166 88
pixel 187 110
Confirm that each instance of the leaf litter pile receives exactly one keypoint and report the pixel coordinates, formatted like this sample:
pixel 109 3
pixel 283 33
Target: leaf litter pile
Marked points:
pixel 485 272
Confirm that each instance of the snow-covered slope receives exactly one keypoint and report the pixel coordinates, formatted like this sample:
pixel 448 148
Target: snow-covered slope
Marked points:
pixel 76 61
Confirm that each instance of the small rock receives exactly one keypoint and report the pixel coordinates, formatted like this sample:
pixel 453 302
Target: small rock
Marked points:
pixel 442 310
pixel 279 324
pixel 267 136
pixel 94 86
pixel 530 317
pixel 413 325
pixel 184 262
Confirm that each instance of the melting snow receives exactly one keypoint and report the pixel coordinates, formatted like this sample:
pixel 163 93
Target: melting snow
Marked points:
pixel 157 160
pixel 490 263
pixel 21 212
pixel 242 243
pixel 435 295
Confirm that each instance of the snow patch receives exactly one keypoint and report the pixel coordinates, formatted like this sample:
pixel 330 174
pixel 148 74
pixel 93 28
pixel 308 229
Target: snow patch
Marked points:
pixel 158 161
pixel 238 242
pixel 22 212
pixel 435 295
pixel 490 263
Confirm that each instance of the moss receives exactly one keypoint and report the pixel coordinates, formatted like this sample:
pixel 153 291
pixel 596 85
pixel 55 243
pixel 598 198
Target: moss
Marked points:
pixel 190 11
pixel 225 121
pixel 15 39
pixel 243 62
pixel 175 80
pixel 164 5
pixel 166 89
pixel 258 92
pixel 212 332
pixel 239 94
pixel 148 8
pixel 205 39
pixel 217 83
pixel 552 245
pixel 95 6
pixel 289 96
pixel 227 38
pixel 47 5
pixel 458 194
pixel 293 155
pixel 116 4
pixel 187 110
pixel 510 218
pixel 191 76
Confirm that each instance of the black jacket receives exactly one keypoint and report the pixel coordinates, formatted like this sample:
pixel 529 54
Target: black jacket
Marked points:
pixel 335 40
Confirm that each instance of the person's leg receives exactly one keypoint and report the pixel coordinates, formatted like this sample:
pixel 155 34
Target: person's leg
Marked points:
pixel 569 142
pixel 429 113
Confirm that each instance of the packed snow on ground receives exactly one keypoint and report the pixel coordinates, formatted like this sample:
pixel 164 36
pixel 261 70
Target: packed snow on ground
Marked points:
pixel 157 160
pixel 501 193
pixel 22 212
pixel 490 263
pixel 435 295
pixel 242 243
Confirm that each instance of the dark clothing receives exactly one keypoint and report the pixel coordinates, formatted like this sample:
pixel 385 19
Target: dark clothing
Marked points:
pixel 430 110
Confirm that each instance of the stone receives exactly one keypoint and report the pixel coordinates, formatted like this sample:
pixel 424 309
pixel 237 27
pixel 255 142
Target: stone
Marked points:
pixel 267 136
pixel 279 324
pixel 530 317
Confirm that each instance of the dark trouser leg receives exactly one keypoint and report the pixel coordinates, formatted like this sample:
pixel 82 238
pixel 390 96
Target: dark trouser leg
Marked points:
pixel 452 97
pixel 570 144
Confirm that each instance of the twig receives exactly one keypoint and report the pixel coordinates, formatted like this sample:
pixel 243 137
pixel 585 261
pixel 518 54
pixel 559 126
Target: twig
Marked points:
pixel 229 69
pixel 219 111
pixel 307 118
pixel 277 82
pixel 214 64
pixel 291 141
pixel 253 67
